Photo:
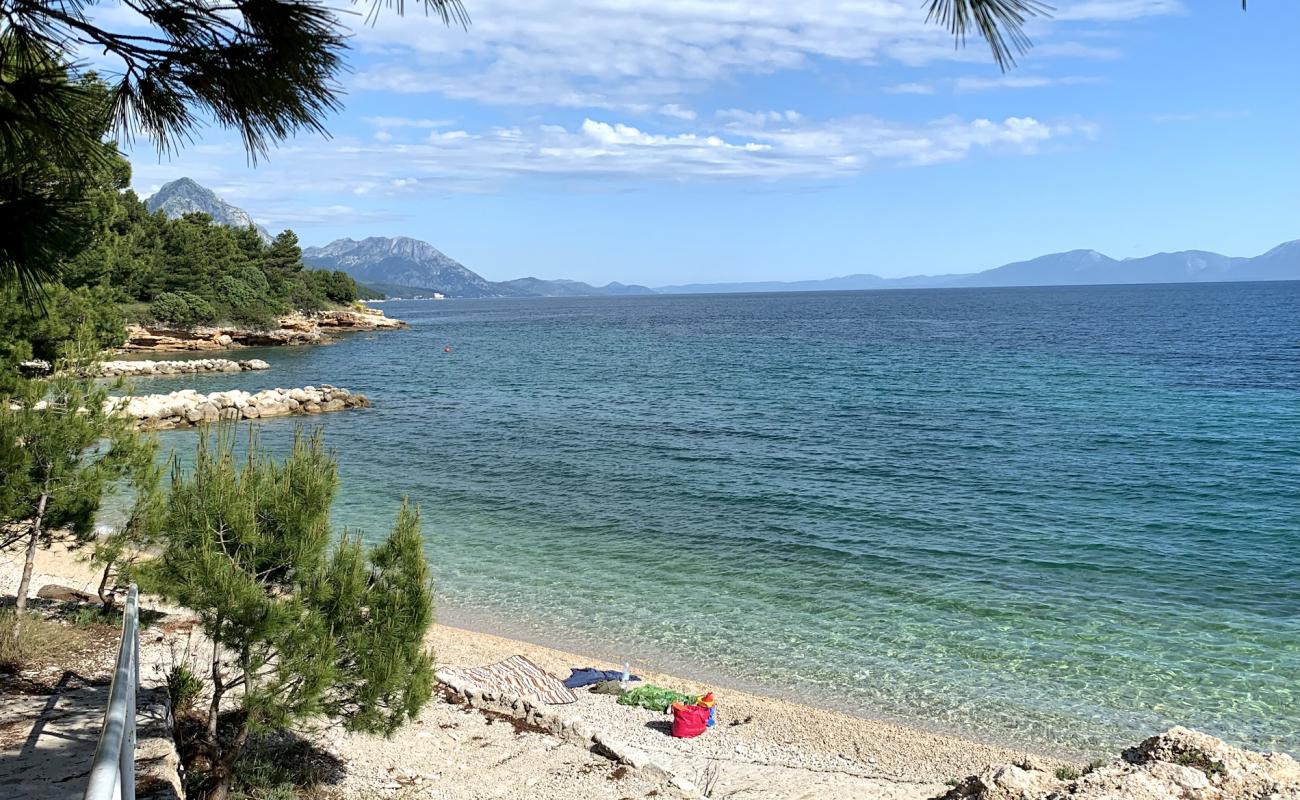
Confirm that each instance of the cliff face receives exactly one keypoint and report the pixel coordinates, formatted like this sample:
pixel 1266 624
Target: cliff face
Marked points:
pixel 1179 764
pixel 296 328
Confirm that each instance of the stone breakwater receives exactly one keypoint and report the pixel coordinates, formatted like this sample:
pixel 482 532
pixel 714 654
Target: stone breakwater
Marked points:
pixel 291 329
pixel 187 407
pixel 130 369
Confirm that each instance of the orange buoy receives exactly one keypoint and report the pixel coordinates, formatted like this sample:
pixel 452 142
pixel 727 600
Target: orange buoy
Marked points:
pixel 446 349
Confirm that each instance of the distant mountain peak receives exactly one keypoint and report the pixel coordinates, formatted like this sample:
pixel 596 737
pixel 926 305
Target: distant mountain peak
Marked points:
pixel 401 261
pixel 187 196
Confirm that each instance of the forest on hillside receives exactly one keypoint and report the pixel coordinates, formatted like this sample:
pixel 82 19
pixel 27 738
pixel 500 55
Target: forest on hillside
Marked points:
pixel 134 266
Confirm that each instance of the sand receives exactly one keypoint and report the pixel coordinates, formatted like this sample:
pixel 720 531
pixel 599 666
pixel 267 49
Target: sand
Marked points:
pixel 762 747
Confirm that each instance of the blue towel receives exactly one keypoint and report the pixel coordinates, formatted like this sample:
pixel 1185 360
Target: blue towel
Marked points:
pixel 586 676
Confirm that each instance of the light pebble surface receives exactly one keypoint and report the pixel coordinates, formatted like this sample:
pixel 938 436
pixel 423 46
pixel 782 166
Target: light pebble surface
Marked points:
pixel 785 750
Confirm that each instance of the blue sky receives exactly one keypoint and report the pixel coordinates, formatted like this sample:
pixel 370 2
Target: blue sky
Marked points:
pixel 673 141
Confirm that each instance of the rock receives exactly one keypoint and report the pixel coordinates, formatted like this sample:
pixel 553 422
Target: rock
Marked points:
pixel 54 591
pixel 109 369
pixel 1178 763
pixel 188 407
pixel 637 759
pixel 35 367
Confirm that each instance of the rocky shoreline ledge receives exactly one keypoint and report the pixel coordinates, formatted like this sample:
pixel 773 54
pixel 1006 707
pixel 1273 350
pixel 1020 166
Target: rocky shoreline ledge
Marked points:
pixel 1178 763
pixel 188 408
pixel 132 369
pixel 296 328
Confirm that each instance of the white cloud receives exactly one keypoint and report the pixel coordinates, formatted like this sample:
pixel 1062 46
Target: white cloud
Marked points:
pixel 1115 10
pixel 676 111
pixel 740 116
pixel 910 88
pixel 781 148
pixel 646 54
pixel 1018 81
pixel 407 122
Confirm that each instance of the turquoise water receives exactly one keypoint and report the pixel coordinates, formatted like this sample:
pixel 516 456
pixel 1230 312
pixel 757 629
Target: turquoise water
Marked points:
pixel 1062 518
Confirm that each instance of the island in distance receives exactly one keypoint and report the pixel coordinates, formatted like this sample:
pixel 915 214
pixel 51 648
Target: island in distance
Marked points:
pixel 405 267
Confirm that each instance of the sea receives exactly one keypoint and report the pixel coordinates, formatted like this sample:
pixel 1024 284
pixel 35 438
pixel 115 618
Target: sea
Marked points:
pixel 1060 518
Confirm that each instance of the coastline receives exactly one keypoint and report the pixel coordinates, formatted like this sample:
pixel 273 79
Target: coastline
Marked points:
pixel 474 622
pixel 759 735
pixel 764 744
pixel 462 747
pixel 296 328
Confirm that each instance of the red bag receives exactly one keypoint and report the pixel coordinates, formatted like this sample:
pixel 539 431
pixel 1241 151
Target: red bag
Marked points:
pixel 689 721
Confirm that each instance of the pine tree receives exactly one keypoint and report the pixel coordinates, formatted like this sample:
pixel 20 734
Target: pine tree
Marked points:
pixel 284 255
pixel 119 551
pixel 60 445
pixel 303 629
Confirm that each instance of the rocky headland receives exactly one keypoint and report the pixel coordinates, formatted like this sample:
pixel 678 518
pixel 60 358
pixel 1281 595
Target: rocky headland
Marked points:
pixel 292 329
pixel 188 408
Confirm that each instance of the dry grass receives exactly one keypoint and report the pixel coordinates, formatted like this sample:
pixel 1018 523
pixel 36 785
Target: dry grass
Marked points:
pixel 43 643
pixel 37 639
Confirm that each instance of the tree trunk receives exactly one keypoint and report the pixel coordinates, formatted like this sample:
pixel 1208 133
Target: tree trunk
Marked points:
pixel 223 766
pixel 25 585
pixel 218 688
pixel 105 597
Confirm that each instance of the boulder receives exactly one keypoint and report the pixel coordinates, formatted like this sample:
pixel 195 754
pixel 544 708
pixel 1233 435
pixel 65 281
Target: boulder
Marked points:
pixel 1177 764
pixel 54 591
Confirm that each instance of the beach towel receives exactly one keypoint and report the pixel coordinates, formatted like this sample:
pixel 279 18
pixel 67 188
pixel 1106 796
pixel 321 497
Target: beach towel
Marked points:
pixel 520 677
pixel 586 676
pixel 655 698
pixel 608 687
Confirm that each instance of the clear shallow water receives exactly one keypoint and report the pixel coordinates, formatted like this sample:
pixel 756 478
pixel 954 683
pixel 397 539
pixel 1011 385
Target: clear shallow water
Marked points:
pixel 1060 517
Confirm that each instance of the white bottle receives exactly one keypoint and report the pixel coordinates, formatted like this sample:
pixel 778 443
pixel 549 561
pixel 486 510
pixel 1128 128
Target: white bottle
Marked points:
pixel 627 676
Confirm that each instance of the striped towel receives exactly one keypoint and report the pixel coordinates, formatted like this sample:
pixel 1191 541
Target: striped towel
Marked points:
pixel 520 677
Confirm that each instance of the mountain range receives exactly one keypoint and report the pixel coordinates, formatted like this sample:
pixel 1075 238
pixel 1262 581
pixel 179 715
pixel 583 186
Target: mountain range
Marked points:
pixel 1072 268
pixel 398 266
pixel 402 266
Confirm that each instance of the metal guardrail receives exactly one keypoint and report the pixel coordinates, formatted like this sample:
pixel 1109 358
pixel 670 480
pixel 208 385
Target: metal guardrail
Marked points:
pixel 112 774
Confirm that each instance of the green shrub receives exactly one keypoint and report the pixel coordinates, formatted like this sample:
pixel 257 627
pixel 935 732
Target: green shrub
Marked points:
pixel 89 616
pixel 181 308
pixel 245 303
pixel 183 687
pixel 1067 773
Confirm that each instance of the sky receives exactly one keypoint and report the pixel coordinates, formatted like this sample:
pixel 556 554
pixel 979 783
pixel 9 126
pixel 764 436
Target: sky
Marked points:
pixel 674 141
